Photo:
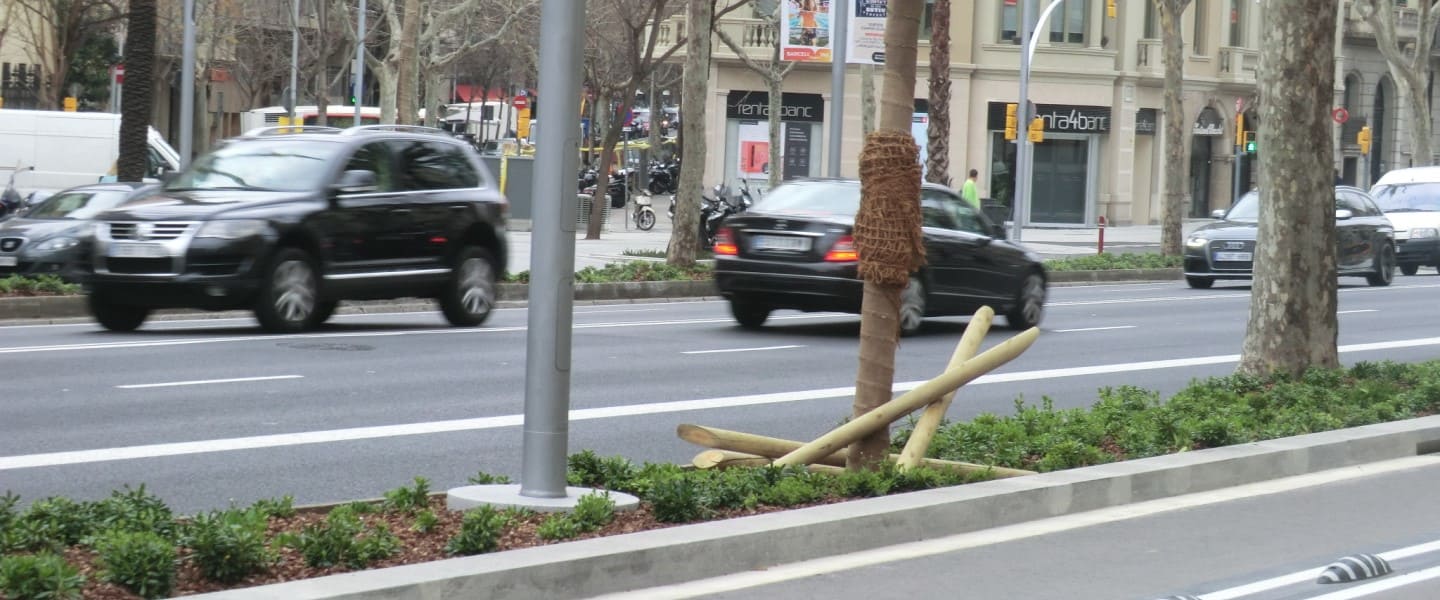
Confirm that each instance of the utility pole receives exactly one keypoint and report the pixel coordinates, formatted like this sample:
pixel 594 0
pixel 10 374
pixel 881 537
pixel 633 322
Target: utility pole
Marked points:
pixel 1020 212
pixel 294 58
pixel 187 87
pixel 359 90
pixel 839 17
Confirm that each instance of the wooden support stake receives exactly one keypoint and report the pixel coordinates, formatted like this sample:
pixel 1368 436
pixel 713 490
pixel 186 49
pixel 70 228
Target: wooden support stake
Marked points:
pixel 725 459
pixel 895 409
pixel 769 447
pixel 929 422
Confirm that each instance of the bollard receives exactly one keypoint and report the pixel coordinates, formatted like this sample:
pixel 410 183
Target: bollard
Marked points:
pixel 1101 246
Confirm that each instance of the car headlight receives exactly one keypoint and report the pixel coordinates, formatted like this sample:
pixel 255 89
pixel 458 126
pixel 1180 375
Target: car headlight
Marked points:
pixel 55 245
pixel 1424 232
pixel 232 229
pixel 1196 242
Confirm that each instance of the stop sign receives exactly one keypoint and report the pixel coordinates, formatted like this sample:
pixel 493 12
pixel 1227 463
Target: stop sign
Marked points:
pixel 520 102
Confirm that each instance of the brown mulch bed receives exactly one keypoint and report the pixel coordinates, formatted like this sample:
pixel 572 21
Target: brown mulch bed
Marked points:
pixel 415 547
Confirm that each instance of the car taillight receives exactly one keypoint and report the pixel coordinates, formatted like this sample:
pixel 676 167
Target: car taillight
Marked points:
pixel 843 251
pixel 725 242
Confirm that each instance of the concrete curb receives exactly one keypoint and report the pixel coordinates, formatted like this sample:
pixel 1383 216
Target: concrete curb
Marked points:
pixel 679 554
pixel 56 308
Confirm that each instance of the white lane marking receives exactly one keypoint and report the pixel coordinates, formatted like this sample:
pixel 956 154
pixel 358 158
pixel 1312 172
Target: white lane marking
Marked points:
pixel 138 386
pixel 1093 329
pixel 1409 551
pixel 361 334
pixel 1362 310
pixel 1308 575
pixel 616 310
pixel 52 459
pixel 1009 533
pixel 728 350
pixel 1389 583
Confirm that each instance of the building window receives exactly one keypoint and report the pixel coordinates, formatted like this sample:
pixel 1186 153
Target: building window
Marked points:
pixel 927 19
pixel 1009 21
pixel 1198 43
pixel 1152 22
pixel 1067 23
pixel 1237 23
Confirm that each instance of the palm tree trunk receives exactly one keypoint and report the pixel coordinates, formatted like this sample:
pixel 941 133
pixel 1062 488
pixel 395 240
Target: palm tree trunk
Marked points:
pixel 137 95
pixel 887 228
pixel 937 165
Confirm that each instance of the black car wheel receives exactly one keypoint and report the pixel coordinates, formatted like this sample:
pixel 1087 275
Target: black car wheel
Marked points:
pixel 289 293
pixel 1384 267
pixel 469 298
pixel 912 306
pixel 750 314
pixel 1200 283
pixel 323 311
pixel 1410 269
pixel 1029 303
pixel 115 316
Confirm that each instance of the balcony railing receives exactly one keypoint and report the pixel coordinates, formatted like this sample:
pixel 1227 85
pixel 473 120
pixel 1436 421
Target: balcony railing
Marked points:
pixel 1238 64
pixel 756 37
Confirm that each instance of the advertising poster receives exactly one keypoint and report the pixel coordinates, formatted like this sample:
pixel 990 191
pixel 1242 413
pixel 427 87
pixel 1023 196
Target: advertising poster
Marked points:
pixel 754 156
pixel 866 33
pixel 805 30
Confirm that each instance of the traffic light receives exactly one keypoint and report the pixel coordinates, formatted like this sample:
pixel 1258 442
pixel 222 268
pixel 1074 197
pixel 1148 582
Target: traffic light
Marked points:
pixel 1249 142
pixel 1240 129
pixel 1037 130
pixel 1110 8
pixel 1011 121
pixel 1363 139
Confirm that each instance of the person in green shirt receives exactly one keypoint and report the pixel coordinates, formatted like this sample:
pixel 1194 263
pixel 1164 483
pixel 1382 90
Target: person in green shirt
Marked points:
pixel 970 192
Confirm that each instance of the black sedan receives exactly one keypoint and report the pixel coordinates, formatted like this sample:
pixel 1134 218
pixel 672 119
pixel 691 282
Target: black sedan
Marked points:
pixel 795 250
pixel 51 236
pixel 1365 241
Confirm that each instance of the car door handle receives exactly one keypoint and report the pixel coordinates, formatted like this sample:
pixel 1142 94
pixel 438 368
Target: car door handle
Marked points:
pixel 399 211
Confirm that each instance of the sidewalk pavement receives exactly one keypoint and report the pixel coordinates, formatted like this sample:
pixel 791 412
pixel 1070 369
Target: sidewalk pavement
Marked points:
pixel 620 235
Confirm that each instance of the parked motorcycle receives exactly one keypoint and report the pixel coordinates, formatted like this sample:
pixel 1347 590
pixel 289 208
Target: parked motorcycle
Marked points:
pixel 11 202
pixel 664 177
pixel 643 215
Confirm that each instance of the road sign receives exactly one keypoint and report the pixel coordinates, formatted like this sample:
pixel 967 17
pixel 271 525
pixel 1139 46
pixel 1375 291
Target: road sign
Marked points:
pixel 520 103
pixel 1340 115
pixel 119 73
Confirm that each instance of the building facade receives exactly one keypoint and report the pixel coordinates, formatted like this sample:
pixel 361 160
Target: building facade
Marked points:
pixel 1097 82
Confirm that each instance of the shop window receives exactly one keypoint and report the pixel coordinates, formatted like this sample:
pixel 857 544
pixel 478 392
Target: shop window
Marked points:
pixel 1009 21
pixel 1237 23
pixel 1067 23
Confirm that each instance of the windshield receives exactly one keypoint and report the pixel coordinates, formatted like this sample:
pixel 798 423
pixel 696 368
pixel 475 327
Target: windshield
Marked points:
pixel 1407 197
pixel 281 165
pixel 831 198
pixel 76 205
pixel 1247 209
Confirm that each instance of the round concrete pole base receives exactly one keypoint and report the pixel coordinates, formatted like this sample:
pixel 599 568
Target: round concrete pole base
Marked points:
pixel 508 496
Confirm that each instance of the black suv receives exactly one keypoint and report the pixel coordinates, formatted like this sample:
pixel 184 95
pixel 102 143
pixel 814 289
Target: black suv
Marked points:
pixel 288 223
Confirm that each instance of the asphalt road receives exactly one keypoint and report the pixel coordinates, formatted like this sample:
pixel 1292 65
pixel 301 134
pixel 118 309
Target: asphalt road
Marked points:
pixel 1267 541
pixel 206 412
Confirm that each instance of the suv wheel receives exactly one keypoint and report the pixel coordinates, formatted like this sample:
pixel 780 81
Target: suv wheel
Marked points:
pixel 1384 267
pixel 289 293
pixel 469 297
pixel 115 316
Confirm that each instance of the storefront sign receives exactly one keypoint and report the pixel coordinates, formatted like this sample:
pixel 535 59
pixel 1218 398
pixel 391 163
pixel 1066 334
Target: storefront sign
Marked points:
pixel 1146 120
pixel 755 106
pixel 1059 118
pixel 1209 123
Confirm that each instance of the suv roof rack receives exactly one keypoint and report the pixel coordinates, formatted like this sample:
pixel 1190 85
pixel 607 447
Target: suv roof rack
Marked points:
pixel 287 129
pixel 393 127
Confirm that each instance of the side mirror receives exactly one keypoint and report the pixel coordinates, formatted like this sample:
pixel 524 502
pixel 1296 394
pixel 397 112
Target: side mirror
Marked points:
pixel 997 231
pixel 1342 214
pixel 354 182
pixel 1218 214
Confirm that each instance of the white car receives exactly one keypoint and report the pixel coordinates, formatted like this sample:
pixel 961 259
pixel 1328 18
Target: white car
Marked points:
pixel 1411 199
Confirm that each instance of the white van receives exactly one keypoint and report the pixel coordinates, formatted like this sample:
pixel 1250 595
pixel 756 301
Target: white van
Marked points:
pixel 1411 199
pixel 68 149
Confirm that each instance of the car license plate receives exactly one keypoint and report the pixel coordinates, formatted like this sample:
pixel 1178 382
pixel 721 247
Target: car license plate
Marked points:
pixel 1232 256
pixel 128 250
pixel 9 261
pixel 781 242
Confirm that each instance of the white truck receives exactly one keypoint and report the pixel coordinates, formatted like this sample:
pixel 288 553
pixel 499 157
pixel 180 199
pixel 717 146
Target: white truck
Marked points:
pixel 67 149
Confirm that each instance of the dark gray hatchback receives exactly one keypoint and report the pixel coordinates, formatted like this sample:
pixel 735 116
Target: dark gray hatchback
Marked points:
pixel 290 224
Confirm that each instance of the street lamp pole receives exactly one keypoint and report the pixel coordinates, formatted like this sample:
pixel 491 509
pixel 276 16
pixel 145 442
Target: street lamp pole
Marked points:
pixel 839 15
pixel 359 88
pixel 1025 151
pixel 294 58
pixel 187 87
